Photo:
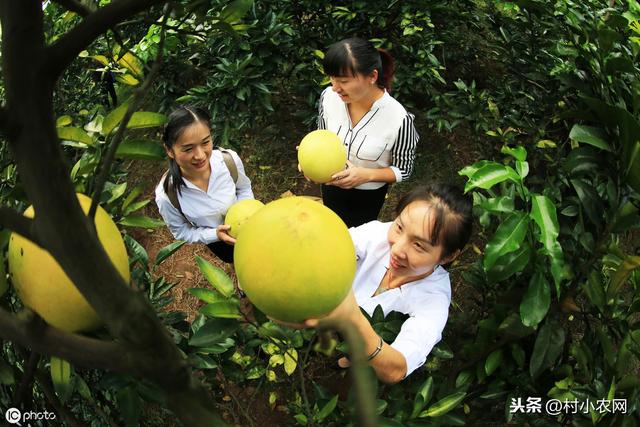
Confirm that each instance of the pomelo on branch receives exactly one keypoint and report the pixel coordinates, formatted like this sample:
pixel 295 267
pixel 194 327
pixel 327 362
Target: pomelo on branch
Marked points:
pixel 320 155
pixel 295 259
pixel 44 287
pixel 239 213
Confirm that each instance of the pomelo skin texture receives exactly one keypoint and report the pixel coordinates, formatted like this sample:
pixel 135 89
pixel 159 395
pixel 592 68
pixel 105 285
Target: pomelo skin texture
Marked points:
pixel 320 155
pixel 239 213
pixel 295 259
pixel 45 288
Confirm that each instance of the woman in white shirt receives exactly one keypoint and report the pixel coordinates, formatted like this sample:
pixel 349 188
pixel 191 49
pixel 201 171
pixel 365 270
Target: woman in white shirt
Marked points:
pixel 201 183
pixel 377 132
pixel 399 267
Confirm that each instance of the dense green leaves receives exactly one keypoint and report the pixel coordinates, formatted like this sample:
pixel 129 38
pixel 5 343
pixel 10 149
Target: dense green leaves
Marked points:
pixel 489 175
pixel 547 348
pixel 141 149
pixel 590 135
pixel 507 238
pixel 216 277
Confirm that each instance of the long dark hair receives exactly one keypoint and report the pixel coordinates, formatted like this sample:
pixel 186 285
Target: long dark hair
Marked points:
pixel 452 212
pixel 350 57
pixel 178 121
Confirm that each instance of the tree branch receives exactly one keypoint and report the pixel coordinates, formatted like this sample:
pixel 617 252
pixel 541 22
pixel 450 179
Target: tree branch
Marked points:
pixel 11 219
pixel 115 142
pixel 60 54
pixel 41 338
pixel 75 6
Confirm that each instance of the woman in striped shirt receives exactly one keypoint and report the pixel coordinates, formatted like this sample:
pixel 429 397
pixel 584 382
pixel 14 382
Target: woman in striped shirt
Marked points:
pixel 377 132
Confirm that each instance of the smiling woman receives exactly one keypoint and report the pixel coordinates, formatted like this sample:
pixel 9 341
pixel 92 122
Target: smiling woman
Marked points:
pixel 399 267
pixel 377 132
pixel 202 183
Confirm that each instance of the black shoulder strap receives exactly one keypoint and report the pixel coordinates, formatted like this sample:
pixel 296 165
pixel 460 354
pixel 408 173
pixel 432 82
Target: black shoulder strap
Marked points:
pixel 172 193
pixel 231 164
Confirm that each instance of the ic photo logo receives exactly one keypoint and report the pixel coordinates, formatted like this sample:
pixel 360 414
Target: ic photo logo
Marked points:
pixel 14 416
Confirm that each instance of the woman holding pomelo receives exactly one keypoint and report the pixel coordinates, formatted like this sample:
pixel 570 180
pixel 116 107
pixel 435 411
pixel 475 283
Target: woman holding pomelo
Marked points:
pixel 399 267
pixel 377 132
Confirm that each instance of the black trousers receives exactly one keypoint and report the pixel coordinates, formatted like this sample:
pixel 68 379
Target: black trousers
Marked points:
pixel 222 251
pixel 355 207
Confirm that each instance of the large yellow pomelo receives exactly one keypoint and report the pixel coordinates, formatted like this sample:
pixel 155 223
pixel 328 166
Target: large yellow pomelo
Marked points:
pixel 239 213
pixel 295 259
pixel 320 155
pixel 45 288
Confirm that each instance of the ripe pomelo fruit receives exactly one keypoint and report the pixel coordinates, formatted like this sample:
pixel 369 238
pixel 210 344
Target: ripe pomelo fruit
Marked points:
pixel 320 155
pixel 239 213
pixel 44 287
pixel 295 259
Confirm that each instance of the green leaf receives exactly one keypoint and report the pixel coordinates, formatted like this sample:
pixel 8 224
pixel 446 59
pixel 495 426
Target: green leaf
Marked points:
pixel 328 408
pixel 74 134
pixel 129 405
pixel 547 348
pixel 626 218
pixel 512 325
pixel 536 300
pixel 594 290
pixel 134 207
pixel 510 264
pixel 141 221
pixel 207 295
pixel 498 204
pixel 523 169
pixel 543 212
pixel 216 277
pixel 235 10
pixel 607 345
pixel 224 309
pixel 113 119
pixel 135 192
pixel 464 379
pixel 214 332
pixel 168 250
pixel 519 152
pixel 469 170
pixel 144 119
pixel 508 237
pixel 490 175
pixel 131 63
pixel 444 405
pixel 590 135
pixel 423 397
pixel 63 121
pixel 140 149
pixel 493 362
pixel 113 192
pixel 582 161
pixel 590 200
pixel 290 360
pixel 622 273
pixel 61 378
pixel 139 252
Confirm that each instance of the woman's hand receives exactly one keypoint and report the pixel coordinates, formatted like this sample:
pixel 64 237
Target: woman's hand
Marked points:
pixel 222 231
pixel 351 177
pixel 347 311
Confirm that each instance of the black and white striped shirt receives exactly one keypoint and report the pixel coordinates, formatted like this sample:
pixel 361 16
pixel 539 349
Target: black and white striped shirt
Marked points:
pixel 384 137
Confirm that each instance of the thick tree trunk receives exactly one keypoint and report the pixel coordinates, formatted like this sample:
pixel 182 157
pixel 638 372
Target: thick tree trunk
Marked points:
pixel 61 227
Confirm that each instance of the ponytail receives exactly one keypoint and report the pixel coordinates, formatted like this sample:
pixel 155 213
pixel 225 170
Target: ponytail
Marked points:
pixel 385 78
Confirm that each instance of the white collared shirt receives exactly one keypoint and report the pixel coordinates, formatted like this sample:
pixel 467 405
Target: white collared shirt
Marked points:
pixel 384 137
pixel 205 210
pixel 426 301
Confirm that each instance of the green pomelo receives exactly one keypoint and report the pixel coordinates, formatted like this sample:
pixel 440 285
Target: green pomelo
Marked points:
pixel 239 213
pixel 320 155
pixel 295 259
pixel 44 287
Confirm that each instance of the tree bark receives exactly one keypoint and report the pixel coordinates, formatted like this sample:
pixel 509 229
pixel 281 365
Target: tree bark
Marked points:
pixel 30 71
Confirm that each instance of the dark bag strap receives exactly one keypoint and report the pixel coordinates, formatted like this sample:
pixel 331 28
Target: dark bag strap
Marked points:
pixel 172 193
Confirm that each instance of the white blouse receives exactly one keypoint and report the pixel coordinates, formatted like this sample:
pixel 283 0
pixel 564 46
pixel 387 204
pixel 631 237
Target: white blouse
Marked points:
pixel 426 301
pixel 384 137
pixel 205 210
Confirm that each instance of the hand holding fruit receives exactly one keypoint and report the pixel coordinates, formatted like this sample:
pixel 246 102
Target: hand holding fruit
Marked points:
pixel 351 177
pixel 222 231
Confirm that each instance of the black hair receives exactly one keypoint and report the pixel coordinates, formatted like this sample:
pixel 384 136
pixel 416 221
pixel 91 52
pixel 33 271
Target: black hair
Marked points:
pixel 180 119
pixel 350 57
pixel 452 212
